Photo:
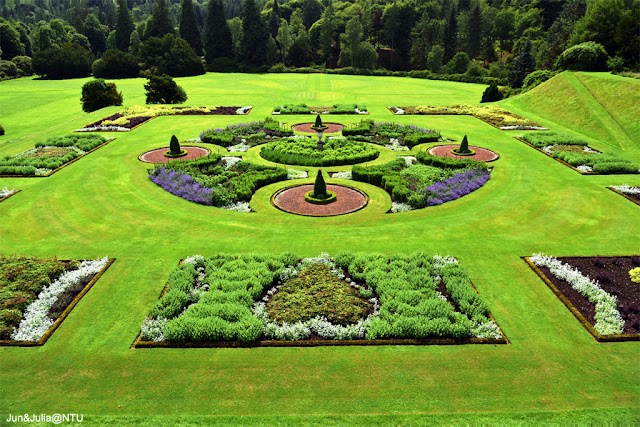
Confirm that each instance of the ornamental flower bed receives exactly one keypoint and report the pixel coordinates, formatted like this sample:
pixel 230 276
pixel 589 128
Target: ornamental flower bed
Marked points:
pixel 631 193
pixel 242 136
pixel 51 155
pixel 333 109
pixel 215 180
pixel 252 300
pixel 429 182
pixel 492 115
pixel 37 294
pixel 598 290
pixel 395 136
pixel 132 117
pixel 577 154
pixel 5 193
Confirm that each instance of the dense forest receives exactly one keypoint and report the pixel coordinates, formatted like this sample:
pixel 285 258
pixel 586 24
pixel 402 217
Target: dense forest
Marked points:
pixel 490 41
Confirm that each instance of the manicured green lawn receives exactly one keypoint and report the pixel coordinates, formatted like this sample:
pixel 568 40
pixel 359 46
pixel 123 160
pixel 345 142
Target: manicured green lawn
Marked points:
pixel 104 205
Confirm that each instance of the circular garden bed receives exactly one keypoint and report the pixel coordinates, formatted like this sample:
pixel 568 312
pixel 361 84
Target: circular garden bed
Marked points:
pixel 157 155
pixel 481 154
pixel 304 152
pixel 306 127
pixel 291 199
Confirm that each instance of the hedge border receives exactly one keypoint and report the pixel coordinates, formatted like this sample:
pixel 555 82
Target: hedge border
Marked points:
pixel 2 199
pixel 626 196
pixel 139 343
pixel 585 323
pixel 366 196
pixel 466 114
pixel 61 167
pixel 43 339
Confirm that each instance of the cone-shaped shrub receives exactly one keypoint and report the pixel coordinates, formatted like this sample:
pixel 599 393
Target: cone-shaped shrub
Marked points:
pixel 1 130
pixel 318 121
pixel 174 145
pixel 319 188
pixel 464 146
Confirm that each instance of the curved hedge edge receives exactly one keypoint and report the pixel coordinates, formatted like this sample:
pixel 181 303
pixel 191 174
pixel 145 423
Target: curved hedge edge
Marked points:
pixel 170 155
pixel 331 197
pixel 274 195
pixel 465 154
pixel 2 199
pixel 63 166
pixel 43 339
pixel 626 196
pixel 557 159
pixel 587 325
pixel 138 343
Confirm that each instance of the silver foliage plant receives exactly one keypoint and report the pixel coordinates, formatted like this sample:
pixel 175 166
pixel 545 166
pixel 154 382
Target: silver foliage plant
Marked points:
pixel 35 321
pixel 608 319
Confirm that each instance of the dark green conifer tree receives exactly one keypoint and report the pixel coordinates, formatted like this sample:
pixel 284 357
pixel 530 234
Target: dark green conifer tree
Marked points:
pixel 451 36
pixel 124 26
pixel 160 22
pixel 253 48
pixel 218 41
pixel 320 187
pixel 189 26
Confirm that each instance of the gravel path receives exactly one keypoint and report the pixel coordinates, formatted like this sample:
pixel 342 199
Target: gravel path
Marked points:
pixel 481 155
pixel 292 200
pixel 306 127
pixel 157 156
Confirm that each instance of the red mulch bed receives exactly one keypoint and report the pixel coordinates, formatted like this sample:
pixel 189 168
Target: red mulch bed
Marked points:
pixel 157 156
pixel 612 274
pixel 306 127
pixel 292 200
pixel 481 155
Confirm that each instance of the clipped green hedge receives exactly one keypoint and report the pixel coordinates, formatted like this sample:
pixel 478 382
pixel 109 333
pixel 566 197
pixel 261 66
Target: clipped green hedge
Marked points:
pixel 304 152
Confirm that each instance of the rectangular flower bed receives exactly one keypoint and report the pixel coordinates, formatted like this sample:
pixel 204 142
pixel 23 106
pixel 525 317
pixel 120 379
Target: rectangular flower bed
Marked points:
pixel 36 295
pixel 629 192
pixel 242 136
pixel 349 299
pixel 577 154
pixel 599 291
pixel 492 115
pixel 50 156
pixel 331 109
pixel 132 117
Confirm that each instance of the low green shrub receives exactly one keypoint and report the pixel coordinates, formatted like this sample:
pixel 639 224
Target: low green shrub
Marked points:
pixel 545 139
pixel 337 151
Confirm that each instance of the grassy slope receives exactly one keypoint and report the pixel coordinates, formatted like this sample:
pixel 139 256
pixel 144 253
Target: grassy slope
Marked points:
pixel 105 205
pixel 601 107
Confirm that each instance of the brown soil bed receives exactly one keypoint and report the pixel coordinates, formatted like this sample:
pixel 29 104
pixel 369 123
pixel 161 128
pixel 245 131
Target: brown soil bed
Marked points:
pixel 633 197
pixel 306 127
pixel 292 200
pixel 481 154
pixel 157 156
pixel 612 274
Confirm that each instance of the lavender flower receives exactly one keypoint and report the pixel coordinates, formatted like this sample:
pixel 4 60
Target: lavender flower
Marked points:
pixel 181 185
pixel 455 187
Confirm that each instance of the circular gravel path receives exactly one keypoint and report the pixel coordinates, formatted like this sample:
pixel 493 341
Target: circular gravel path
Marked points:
pixel 306 127
pixel 481 155
pixel 157 156
pixel 292 200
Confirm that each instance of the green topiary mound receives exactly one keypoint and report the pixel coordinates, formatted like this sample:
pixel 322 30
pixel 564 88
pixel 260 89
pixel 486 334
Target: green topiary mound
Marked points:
pixel 320 187
pixel 329 198
pixel 336 151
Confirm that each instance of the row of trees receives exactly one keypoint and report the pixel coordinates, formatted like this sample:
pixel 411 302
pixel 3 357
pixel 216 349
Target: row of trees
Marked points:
pixel 503 39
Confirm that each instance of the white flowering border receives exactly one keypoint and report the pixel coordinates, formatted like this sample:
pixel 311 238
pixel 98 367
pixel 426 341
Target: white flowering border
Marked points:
pixel 35 322
pixel 626 189
pixel 6 192
pixel 607 317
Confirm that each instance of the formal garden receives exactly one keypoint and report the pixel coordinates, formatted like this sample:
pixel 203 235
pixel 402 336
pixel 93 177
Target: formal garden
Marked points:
pixel 375 255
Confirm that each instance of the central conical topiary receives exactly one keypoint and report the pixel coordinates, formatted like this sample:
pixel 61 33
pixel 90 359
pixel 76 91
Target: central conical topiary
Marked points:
pixel 318 121
pixel 464 146
pixel 320 187
pixel 174 146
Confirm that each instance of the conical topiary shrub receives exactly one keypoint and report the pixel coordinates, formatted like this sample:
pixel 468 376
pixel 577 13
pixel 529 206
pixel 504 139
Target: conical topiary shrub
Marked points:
pixel 319 187
pixel 174 145
pixel 318 121
pixel 464 145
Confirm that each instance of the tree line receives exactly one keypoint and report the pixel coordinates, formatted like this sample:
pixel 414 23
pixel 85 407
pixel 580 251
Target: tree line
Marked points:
pixel 497 41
